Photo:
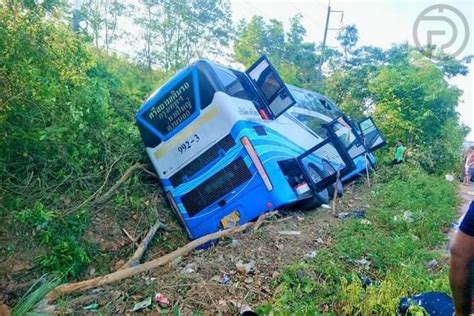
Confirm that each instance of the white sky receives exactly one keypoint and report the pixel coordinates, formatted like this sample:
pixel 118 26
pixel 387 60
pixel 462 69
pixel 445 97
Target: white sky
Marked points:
pixel 380 23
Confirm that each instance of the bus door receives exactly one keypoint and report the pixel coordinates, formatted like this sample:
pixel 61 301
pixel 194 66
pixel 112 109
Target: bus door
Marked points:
pixel 273 93
pixel 345 130
pixel 372 137
pixel 323 164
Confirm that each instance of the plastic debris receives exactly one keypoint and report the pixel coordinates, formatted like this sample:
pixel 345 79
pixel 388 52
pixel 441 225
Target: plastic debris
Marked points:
pixel 432 264
pixel 91 307
pixel 311 255
pixel 351 214
pixel 188 269
pixel 225 279
pixel 363 262
pixel 326 206
pixel 434 303
pixel 449 177
pixel 289 232
pixel 141 305
pixel 408 217
pixel 245 268
pixel 162 300
pixel 365 222
pixel 235 243
pixel 366 281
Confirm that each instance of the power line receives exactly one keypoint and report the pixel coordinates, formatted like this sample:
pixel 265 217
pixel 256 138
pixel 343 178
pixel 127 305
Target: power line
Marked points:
pixel 302 14
pixel 256 8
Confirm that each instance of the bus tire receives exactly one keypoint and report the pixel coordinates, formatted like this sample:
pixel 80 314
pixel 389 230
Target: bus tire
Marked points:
pixel 315 201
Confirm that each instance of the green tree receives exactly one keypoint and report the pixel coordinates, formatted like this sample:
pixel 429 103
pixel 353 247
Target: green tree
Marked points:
pixel 295 59
pixel 175 32
pixel 102 18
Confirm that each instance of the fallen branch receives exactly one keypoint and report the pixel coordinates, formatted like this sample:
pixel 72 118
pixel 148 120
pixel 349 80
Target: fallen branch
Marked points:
pixel 135 259
pixel 107 195
pixel 147 266
pixel 261 219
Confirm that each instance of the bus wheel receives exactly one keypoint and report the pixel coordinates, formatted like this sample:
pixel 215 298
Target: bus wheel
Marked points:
pixel 318 198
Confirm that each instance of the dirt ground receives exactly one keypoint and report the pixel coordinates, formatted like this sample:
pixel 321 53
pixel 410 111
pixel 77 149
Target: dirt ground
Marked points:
pixel 237 272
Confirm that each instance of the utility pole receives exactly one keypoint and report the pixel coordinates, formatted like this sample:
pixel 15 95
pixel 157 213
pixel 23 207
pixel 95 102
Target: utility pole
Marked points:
pixel 326 29
pixel 76 15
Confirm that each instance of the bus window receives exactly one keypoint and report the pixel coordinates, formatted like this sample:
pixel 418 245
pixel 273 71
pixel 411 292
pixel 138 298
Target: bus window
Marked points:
pixel 231 83
pixel 206 89
pixel 314 123
pixel 275 95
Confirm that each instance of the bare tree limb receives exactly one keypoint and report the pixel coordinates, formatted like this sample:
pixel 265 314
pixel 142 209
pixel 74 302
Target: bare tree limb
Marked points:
pixel 135 259
pixel 147 266
pixel 107 195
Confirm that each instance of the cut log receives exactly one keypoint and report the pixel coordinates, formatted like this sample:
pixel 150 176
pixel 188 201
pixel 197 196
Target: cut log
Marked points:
pixel 147 266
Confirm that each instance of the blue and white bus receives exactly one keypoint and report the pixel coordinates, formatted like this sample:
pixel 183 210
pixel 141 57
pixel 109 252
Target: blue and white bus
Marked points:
pixel 230 145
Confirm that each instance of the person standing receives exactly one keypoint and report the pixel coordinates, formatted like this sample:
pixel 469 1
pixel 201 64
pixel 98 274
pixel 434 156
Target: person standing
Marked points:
pixel 469 166
pixel 399 153
pixel 460 262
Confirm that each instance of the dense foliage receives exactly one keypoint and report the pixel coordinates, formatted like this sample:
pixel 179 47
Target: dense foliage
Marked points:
pixel 66 116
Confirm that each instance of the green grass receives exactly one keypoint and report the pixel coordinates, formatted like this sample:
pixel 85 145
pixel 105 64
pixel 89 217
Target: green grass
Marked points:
pixel 398 251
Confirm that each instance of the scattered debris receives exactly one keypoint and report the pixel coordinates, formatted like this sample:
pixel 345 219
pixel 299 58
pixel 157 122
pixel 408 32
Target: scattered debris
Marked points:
pixel 433 264
pixel 289 232
pixel 366 281
pixel 246 268
pixel 225 279
pixel 311 255
pixel 319 240
pixel 141 305
pixel 432 303
pixel 188 269
pixel 235 243
pixel 408 217
pixel 162 300
pixel 351 214
pixel 363 262
pixel 449 177
pixel 91 307
pixel 365 221
pixel 326 206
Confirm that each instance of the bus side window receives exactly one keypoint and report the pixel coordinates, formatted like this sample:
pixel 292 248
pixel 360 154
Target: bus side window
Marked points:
pixel 206 90
pixel 231 83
